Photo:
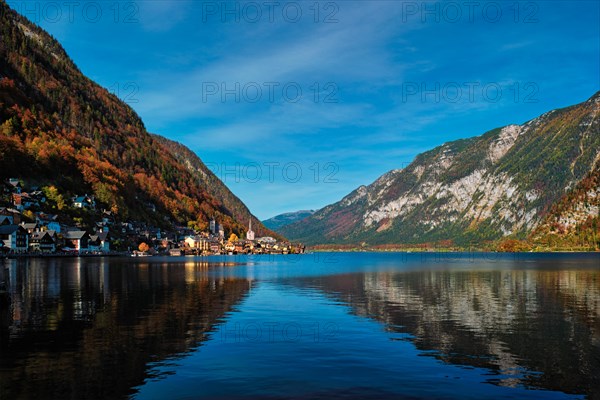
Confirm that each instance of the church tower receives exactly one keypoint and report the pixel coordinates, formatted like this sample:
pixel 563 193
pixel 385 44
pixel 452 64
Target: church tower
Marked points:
pixel 250 233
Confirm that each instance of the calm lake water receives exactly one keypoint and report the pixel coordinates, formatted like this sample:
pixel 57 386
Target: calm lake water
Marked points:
pixel 323 325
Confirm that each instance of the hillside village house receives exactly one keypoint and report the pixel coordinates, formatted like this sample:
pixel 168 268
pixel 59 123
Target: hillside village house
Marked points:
pixel 23 201
pixel 16 201
pixel 11 212
pixel 13 185
pixel 30 227
pixel 84 201
pixel 27 201
pixel 49 221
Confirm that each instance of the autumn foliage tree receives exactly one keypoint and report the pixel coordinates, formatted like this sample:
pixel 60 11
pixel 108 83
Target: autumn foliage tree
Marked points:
pixel 513 245
pixel 54 197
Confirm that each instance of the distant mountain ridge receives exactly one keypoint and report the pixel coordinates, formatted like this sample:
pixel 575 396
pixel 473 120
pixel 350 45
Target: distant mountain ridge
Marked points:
pixel 59 127
pixel 504 183
pixel 281 220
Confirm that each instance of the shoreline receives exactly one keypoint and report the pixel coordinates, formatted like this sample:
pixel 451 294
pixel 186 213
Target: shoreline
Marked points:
pixel 444 250
pixel 422 252
pixel 63 255
pixel 131 255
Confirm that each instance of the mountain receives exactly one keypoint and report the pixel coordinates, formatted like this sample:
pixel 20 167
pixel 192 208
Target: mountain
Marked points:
pixel 504 183
pixel 574 221
pixel 284 219
pixel 232 205
pixel 59 128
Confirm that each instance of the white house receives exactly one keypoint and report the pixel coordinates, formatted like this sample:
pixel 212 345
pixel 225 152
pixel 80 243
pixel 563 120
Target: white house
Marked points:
pixel 197 242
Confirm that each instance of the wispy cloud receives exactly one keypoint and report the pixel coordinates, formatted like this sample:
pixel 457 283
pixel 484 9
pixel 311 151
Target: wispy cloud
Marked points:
pixel 343 54
pixel 371 55
pixel 516 45
pixel 157 15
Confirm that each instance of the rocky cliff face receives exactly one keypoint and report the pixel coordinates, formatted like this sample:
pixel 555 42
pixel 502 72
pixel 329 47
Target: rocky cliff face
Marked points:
pixel 502 183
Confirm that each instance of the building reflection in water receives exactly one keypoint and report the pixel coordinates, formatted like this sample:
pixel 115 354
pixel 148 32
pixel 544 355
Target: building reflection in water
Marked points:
pixel 91 328
pixel 537 328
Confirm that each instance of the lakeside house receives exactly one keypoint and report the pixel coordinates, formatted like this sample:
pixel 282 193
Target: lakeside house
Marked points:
pixel 99 242
pixel 42 242
pixel 14 237
pixel 77 240
pixel 200 243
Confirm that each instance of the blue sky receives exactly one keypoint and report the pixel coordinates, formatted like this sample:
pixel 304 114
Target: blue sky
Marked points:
pixel 295 104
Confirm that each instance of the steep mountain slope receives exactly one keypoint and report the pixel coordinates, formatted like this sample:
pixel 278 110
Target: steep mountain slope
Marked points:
pixel 483 188
pixel 231 204
pixel 281 220
pixel 59 127
pixel 574 221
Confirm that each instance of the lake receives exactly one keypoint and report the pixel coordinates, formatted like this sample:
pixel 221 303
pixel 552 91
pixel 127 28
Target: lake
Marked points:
pixel 322 325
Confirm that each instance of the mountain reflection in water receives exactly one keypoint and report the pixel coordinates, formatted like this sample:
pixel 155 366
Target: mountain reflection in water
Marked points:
pixel 405 327
pixel 536 328
pixel 83 329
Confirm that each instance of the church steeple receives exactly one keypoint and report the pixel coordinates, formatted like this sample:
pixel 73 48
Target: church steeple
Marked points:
pixel 250 233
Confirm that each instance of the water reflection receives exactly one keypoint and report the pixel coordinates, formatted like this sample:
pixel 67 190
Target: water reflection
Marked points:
pixel 89 328
pixel 100 328
pixel 533 328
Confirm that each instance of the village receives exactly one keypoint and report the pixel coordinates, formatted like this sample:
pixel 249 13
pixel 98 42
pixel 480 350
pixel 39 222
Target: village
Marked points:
pixel 26 230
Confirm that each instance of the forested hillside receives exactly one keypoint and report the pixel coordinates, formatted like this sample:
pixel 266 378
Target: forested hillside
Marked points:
pixel 57 127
